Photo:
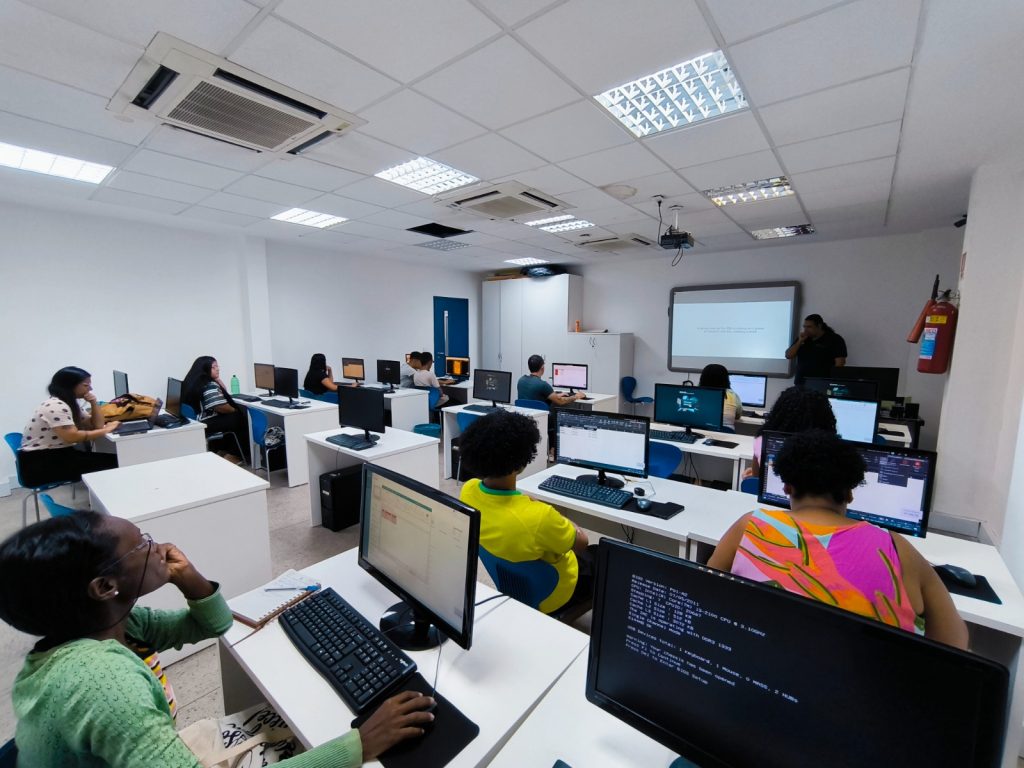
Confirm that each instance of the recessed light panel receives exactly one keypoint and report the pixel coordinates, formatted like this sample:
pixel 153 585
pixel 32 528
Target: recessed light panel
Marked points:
pixel 687 93
pixel 526 262
pixel 443 245
pixel 773 232
pixel 750 192
pixel 24 159
pixel 549 220
pixel 308 218
pixel 568 226
pixel 427 176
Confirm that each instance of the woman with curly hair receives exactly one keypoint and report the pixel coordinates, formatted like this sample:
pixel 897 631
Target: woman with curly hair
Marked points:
pixel 514 527
pixel 816 551
pixel 795 410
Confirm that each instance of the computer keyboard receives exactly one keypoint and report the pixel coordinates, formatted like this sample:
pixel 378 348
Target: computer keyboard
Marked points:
pixel 676 436
pixel 482 408
pixel 352 442
pixel 133 427
pixel 752 414
pixel 246 398
pixel 355 657
pixel 167 421
pixel 599 494
pixel 285 404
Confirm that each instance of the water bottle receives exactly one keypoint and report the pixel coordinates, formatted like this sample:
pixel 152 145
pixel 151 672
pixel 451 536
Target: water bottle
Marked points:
pixel 235 388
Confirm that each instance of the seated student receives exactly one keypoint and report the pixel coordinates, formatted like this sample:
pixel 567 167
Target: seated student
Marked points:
pixel 533 387
pixel 408 370
pixel 816 551
pixel 795 410
pixel 424 377
pixel 496 448
pixel 319 378
pixel 92 691
pixel 205 392
pixel 49 443
pixel 717 376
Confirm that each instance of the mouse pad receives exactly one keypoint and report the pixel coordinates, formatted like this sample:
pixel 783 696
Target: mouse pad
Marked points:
pixel 449 734
pixel 723 443
pixel 662 510
pixel 980 591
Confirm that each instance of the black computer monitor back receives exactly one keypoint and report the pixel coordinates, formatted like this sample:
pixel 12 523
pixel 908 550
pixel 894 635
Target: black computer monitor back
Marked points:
pixel 120 383
pixel 361 407
pixel 172 404
pixel 286 382
pixel 389 372
pixel 888 378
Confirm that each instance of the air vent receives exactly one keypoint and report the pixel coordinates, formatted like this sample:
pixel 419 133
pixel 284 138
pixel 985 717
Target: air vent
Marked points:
pixel 616 244
pixel 510 200
pixel 185 86
pixel 438 230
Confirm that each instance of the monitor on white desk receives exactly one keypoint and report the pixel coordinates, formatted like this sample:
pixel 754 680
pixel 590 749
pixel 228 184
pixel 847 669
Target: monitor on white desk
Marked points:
pixel 856 420
pixel 606 442
pixel 750 389
pixel 120 383
pixel 571 376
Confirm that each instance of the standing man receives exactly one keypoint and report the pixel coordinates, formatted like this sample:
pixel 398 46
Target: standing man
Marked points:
pixel 818 349
pixel 533 386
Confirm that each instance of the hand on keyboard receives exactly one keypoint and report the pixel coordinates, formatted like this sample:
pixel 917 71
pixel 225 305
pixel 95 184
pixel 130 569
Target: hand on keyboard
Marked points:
pixel 398 718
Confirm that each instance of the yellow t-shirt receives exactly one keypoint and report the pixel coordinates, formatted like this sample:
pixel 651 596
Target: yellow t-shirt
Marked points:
pixel 515 527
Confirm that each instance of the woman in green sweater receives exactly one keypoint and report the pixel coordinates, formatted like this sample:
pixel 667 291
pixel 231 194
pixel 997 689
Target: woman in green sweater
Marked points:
pixel 92 692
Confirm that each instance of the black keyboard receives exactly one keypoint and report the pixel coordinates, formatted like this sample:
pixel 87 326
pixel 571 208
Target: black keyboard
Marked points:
pixel 354 442
pixel 752 414
pixel 482 408
pixel 133 427
pixel 599 494
pixel 246 398
pixel 167 421
pixel 675 436
pixel 355 657
pixel 882 431
pixel 284 404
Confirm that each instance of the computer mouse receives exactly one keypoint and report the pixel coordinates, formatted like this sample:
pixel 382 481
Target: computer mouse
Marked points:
pixel 709 441
pixel 959 575
pixel 643 503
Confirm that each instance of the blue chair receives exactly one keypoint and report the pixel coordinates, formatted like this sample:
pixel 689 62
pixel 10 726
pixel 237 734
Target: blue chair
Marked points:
pixel 326 397
pixel 663 459
pixel 529 582
pixel 55 509
pixel 463 419
pixel 628 388
pixel 9 755
pixel 431 430
pixel 258 421
pixel 538 405
pixel 13 440
pixel 727 430
pixel 190 413
pixel 750 485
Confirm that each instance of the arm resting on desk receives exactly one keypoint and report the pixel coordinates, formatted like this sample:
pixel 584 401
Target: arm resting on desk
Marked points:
pixel 941 620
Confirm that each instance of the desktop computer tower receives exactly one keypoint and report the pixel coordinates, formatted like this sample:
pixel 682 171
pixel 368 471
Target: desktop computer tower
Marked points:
pixel 339 497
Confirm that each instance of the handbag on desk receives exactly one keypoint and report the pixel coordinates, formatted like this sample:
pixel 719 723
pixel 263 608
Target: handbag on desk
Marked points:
pixel 130 407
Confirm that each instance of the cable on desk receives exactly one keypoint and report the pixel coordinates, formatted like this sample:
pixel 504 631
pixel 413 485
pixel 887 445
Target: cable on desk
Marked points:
pixel 629 533
pixel 488 599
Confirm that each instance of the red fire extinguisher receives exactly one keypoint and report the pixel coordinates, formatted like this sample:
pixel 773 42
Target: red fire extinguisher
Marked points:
pixel 937 326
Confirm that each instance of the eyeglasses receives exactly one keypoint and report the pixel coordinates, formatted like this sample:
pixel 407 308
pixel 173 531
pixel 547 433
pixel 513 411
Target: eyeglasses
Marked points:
pixel 146 543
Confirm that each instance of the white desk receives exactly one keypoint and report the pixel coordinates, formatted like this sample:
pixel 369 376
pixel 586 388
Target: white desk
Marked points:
pixel 408 453
pixel 740 456
pixel 517 654
pixel 156 444
pixel 215 512
pixel 408 407
pixel 296 423
pixel 451 429
pixel 902 436
pixel 594 402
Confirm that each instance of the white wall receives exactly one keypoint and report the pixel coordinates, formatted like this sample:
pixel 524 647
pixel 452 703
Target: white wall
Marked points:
pixel 870 290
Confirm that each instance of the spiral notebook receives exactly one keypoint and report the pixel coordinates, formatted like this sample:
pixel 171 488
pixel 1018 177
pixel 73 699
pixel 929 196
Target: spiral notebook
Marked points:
pixel 258 606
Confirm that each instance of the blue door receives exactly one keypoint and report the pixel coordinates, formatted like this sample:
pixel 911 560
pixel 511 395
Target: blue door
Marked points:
pixel 451 330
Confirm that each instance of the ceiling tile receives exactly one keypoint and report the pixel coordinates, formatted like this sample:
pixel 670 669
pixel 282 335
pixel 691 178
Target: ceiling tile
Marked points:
pixel 14 183
pixel 513 13
pixel 395 219
pixel 646 35
pixel 310 67
pixel 847 43
pixel 416 123
pixel 665 184
pixel 182 143
pixel 342 206
pixel 133 200
pixel 591 197
pixel 873 212
pixel 360 153
pixel 571 131
pixel 734 170
pixel 272 191
pixel 380 192
pixel 853 184
pixel 737 134
pixel 690 203
pixel 308 173
pixel 150 185
pixel 740 19
pixel 218 217
pixel 842 148
pixel 613 165
pixel 780 212
pixel 244 205
pixel 61 141
pixel 387 234
pixel 728 242
pixel 500 84
pixel 488 157
pixel 549 179
pixel 180 169
pixel 704 223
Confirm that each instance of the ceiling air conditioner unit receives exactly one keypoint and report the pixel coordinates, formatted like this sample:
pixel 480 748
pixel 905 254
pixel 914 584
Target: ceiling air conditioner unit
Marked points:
pixel 185 86
pixel 617 244
pixel 510 200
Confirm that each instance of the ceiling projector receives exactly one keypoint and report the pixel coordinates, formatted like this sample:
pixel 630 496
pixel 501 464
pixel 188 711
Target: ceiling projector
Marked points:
pixel 673 239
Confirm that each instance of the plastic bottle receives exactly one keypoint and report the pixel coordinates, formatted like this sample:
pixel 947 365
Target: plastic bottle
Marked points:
pixel 577 326
pixel 235 388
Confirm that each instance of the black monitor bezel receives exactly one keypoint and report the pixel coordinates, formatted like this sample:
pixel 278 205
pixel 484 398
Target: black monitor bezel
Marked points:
pixel 476 383
pixel 823 383
pixel 462 636
pixel 721 407
pixel 447 369
pixel 584 366
pixel 347 394
pixel 167 400
pixel 883 375
pixel 256 375
pixel 764 387
pixel 669 737
pixel 561 413
pixel 352 361
pixel 395 366
pixel 284 388
pixel 125 376
pixel 874 428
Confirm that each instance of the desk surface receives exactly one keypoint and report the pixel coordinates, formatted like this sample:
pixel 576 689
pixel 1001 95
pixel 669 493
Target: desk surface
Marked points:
pixel 744 449
pixel 144 491
pixel 525 411
pixel 308 406
pixel 392 442
pixel 156 432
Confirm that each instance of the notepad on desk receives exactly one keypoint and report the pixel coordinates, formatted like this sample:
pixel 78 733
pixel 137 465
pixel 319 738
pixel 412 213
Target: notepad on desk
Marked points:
pixel 258 606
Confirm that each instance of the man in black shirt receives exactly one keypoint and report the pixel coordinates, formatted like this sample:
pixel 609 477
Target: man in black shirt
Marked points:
pixel 817 350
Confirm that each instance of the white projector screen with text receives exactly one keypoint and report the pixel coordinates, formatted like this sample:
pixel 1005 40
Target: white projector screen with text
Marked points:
pixel 746 328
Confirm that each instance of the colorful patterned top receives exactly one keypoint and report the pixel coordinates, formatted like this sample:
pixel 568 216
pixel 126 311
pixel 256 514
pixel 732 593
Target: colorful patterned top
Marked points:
pixel 855 567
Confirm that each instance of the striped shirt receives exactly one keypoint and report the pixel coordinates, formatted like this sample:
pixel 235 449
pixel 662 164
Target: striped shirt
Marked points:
pixel 213 396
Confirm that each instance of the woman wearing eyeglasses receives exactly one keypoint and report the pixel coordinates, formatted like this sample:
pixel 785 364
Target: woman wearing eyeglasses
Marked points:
pixel 92 691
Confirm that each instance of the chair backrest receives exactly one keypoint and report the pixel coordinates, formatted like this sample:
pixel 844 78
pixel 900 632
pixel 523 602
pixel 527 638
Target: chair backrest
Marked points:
pixel 465 418
pixel 539 405
pixel 8 755
pixel 664 459
pixel 258 419
pixel 433 395
pixel 188 411
pixel 13 440
pixel 308 395
pixel 55 509
pixel 628 388
pixel 529 582
pixel 750 485
pixel 727 430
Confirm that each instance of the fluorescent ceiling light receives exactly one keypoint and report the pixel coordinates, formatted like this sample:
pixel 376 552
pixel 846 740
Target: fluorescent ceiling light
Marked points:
pixel 549 220
pixel 567 226
pixel 426 176
pixel 773 232
pixel 52 165
pixel 309 218
pixel 443 245
pixel 527 261
pixel 750 192
pixel 687 93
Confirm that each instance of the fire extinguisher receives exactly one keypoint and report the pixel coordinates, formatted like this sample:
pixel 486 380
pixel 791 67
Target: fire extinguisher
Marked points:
pixel 937 325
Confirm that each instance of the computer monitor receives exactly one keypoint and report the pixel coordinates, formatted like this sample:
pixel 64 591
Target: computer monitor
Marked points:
pixel 728 672
pixel 750 389
pixel 853 389
pixel 286 383
pixel 172 403
pixel 120 383
pixel 457 367
pixel 353 368
pixel 362 408
pixel 856 420
pixel 423 545
pixel 570 375
pixel 495 386
pixel 888 378
pixel 263 376
pixel 607 442
pixel 896 492
pixel 389 372
pixel 685 406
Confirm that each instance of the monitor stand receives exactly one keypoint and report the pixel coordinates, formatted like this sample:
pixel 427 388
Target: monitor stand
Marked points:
pixel 696 435
pixel 601 479
pixel 390 389
pixel 270 392
pixel 369 437
pixel 409 630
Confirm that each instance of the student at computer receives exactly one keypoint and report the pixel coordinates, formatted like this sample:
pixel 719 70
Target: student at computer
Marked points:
pixel 816 551
pixel 425 377
pixel 715 375
pixel 496 448
pixel 795 410
pixel 205 392
pixel 532 386
pixel 92 690
pixel 408 370
pixel 319 378
pixel 66 421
